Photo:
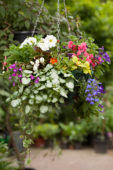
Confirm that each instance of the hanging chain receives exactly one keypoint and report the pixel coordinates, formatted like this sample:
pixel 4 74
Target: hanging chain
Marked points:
pixel 69 28
pixel 58 23
pixel 35 26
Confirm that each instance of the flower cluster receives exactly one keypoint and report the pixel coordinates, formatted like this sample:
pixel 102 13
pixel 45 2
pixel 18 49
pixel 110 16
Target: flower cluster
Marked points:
pixel 84 60
pixel 16 73
pixel 94 92
pixel 44 76
pixel 104 55
pixel 45 43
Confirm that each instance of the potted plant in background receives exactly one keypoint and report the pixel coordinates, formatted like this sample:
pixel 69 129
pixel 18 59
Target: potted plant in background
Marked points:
pixel 45 134
pixel 97 127
pixel 75 134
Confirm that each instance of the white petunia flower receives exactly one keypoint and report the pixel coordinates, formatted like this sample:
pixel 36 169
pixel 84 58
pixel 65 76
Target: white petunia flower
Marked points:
pixel 31 62
pixel 35 67
pixel 30 41
pixel 43 45
pixel 37 62
pixel 42 60
pixel 51 41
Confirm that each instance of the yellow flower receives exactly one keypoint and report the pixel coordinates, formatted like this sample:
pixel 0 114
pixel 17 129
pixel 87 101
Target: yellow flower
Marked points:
pixel 75 59
pixel 87 70
pixel 73 67
pixel 80 64
pixel 87 64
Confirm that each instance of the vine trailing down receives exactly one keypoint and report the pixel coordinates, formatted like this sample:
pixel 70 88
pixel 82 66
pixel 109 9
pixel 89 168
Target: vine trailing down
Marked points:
pixel 42 77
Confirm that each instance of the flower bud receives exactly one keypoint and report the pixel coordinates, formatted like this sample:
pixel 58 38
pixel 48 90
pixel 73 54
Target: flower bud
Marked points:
pixel 42 60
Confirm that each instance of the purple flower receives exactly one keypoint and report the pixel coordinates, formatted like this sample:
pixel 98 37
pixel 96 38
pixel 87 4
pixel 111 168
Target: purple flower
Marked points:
pixel 106 57
pixel 89 86
pixel 96 100
pixel 94 92
pixel 36 81
pixel 15 70
pixel 14 83
pixel 20 69
pixel 88 99
pixel 12 66
pixel 14 74
pixel 32 77
pixel 101 50
pixel 100 105
pixel 38 78
pixel 89 95
pixel 91 102
pixel 91 99
pixel 10 77
pixel 86 90
pixel 70 54
pixel 19 75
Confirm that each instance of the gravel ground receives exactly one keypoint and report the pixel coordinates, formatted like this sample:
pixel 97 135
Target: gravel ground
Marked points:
pixel 85 159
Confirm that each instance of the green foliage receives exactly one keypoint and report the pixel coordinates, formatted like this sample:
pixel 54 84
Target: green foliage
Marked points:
pixel 74 132
pixel 47 131
pixel 4 163
pixel 20 55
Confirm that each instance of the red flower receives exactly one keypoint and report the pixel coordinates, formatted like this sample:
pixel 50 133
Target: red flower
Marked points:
pixel 53 60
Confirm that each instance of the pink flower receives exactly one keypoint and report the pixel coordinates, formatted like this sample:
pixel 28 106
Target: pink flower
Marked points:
pixel 99 59
pixel 32 77
pixel 20 76
pixel 73 47
pixel 70 44
pixel 88 59
pixel 82 47
pixel 15 70
pixel 91 56
pixel 79 53
pixel 86 54
pixel 10 77
pixel 20 69
pixel 14 84
pixel 14 74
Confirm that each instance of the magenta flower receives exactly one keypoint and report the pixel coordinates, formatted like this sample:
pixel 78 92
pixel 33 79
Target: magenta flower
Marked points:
pixel 36 81
pixel 38 78
pixel 15 70
pixel 70 44
pixel 12 66
pixel 20 69
pixel 20 76
pixel 32 77
pixel 10 77
pixel 14 84
pixel 14 74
